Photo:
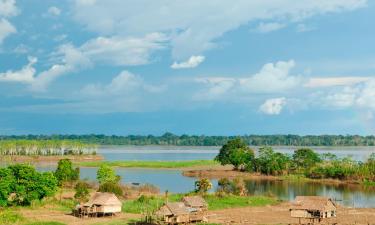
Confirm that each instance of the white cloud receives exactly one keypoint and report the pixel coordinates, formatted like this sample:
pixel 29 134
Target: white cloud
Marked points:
pixel 304 28
pixel 25 75
pixel 54 11
pixel 191 30
pixel 8 8
pixel 268 27
pixel 272 78
pixel 123 51
pixel 216 87
pixel 317 82
pixel 192 62
pixel 6 29
pixel 273 106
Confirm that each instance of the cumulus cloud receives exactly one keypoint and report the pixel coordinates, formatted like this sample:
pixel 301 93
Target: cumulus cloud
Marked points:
pixel 272 78
pixel 273 106
pixel 215 87
pixel 25 75
pixel 8 8
pixel 192 31
pixel 192 62
pixel 6 29
pixel 54 11
pixel 268 27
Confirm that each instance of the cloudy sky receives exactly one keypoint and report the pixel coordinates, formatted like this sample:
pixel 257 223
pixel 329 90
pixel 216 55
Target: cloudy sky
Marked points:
pixel 198 67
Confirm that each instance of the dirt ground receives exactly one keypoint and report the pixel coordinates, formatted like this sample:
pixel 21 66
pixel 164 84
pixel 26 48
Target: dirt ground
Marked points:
pixel 58 216
pixel 279 214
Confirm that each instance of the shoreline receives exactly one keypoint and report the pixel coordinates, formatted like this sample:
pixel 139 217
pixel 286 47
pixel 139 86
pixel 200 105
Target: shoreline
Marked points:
pixel 43 159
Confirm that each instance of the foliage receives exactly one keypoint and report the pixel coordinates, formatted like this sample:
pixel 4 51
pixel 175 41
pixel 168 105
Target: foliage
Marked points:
pixel 23 184
pixel 235 152
pixel 65 171
pixel 305 158
pixel 229 201
pixel 112 187
pixel 202 185
pixel 235 187
pixel 82 191
pixel 194 140
pixel 106 174
pixel 270 162
pixel 10 217
pixel 151 164
pixel 44 147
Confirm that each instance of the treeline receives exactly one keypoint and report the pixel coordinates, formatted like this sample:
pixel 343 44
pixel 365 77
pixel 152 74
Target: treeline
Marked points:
pixel 194 140
pixel 303 161
pixel 45 147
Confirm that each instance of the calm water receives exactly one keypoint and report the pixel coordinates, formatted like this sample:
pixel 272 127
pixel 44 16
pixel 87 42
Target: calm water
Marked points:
pixel 173 181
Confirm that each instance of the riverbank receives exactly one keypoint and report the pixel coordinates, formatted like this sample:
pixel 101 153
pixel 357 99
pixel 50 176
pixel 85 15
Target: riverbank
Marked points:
pixel 41 159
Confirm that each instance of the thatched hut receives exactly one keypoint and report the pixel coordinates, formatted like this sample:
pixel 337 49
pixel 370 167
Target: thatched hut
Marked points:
pixel 313 207
pixel 174 213
pixel 101 203
pixel 195 202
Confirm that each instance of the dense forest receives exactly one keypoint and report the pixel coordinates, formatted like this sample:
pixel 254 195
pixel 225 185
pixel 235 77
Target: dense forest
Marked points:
pixel 194 140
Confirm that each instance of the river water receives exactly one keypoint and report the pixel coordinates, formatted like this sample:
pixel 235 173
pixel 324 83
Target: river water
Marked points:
pixel 173 181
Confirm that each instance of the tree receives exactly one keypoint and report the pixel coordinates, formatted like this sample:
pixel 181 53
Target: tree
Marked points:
pixel 305 158
pixel 235 152
pixel 106 174
pixel 270 162
pixel 82 191
pixel 65 171
pixel 202 185
pixel 26 185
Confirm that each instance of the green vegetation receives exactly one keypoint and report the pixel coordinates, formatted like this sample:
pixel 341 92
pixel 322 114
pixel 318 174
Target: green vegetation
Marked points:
pixel 235 152
pixel 202 186
pixel 44 147
pixel 20 184
pixel 304 162
pixel 108 180
pixel 231 201
pixel 151 164
pixel 215 202
pixel 10 217
pixel 82 191
pixel 65 172
pixel 46 223
pixel 194 140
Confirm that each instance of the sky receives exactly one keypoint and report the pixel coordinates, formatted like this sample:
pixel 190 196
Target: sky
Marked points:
pixel 219 67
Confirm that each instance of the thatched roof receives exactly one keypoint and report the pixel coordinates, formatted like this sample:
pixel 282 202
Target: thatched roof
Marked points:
pixel 194 201
pixel 173 209
pixel 313 203
pixel 103 198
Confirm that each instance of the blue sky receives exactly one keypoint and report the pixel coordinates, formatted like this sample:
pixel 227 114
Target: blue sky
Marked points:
pixel 196 67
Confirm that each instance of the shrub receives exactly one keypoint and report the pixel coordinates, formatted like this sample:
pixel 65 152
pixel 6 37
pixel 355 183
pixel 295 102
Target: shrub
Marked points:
pixel 82 191
pixel 202 185
pixel 111 187
pixel 65 171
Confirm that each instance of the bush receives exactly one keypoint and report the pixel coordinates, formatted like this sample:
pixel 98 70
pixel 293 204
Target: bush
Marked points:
pixel 111 187
pixel 82 191
pixel 202 185
pixel 65 171
pixel 10 217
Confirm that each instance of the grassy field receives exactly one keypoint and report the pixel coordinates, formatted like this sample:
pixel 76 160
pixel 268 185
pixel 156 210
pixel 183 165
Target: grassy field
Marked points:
pixel 152 203
pixel 151 164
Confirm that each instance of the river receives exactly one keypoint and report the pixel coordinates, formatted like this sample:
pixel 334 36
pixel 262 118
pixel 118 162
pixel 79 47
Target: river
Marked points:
pixel 173 181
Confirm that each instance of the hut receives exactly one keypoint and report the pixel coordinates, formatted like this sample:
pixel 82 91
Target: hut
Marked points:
pixel 195 202
pixel 313 207
pixel 174 213
pixel 101 203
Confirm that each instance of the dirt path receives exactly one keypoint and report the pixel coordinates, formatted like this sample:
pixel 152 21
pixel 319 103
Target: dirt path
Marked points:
pixel 58 216
pixel 280 214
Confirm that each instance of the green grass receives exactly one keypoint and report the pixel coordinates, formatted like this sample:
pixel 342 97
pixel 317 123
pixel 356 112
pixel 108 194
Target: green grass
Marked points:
pixel 45 223
pixel 10 217
pixel 231 201
pixel 151 164
pixel 214 202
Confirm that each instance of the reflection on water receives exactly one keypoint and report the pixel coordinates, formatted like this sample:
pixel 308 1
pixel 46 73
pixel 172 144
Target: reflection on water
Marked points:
pixel 174 182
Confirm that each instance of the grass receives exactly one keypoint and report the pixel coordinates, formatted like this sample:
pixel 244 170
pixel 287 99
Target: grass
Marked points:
pixel 151 164
pixel 10 217
pixel 153 203
pixel 45 223
pixel 230 201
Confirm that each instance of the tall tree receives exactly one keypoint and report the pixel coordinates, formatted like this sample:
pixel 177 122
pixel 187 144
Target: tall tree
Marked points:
pixel 235 152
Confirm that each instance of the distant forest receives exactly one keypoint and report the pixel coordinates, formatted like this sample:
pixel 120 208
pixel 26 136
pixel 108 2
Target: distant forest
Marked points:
pixel 193 140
